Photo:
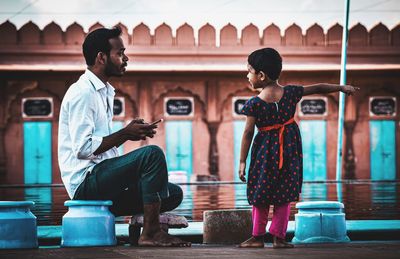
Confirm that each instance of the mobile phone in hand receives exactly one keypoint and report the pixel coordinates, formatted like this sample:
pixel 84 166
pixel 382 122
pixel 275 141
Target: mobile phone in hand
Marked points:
pixel 156 122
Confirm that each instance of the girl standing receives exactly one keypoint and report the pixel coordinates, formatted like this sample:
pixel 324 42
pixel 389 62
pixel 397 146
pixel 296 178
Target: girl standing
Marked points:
pixel 275 172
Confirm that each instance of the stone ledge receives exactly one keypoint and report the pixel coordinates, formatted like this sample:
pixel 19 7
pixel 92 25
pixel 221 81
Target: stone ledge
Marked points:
pixel 172 220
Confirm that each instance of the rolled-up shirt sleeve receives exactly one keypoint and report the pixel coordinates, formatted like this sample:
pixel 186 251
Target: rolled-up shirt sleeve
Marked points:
pixel 82 114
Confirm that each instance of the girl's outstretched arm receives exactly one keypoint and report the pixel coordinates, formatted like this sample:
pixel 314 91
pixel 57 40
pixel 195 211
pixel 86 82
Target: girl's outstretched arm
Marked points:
pixel 323 88
pixel 246 142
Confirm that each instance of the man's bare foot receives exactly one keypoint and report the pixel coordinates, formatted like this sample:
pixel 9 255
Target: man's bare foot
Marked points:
pixel 152 234
pixel 252 242
pixel 281 243
pixel 163 239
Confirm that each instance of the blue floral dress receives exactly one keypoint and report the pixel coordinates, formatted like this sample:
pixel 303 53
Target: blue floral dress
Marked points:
pixel 266 183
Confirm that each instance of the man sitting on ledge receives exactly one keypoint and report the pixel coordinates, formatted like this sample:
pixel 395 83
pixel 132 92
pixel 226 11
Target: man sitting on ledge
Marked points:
pixel 90 165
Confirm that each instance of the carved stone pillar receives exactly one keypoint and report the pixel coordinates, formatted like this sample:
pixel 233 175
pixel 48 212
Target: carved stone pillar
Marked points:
pixel 213 124
pixel 349 156
pixel 144 104
pixel 2 150
pixel 3 112
pixel 213 156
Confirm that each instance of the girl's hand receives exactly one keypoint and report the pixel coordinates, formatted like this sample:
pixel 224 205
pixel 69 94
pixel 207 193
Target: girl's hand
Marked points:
pixel 242 171
pixel 348 89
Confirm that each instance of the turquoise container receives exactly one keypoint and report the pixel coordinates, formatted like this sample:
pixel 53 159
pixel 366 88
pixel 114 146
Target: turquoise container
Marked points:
pixel 18 227
pixel 320 222
pixel 88 223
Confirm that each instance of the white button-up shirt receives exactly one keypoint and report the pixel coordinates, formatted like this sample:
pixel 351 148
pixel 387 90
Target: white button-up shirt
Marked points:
pixel 85 118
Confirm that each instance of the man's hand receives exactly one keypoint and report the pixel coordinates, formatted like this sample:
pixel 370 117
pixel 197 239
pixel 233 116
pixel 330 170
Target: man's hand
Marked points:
pixel 138 130
pixel 138 121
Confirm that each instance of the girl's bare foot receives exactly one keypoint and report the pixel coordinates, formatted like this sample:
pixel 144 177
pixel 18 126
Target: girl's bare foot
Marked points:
pixel 161 238
pixel 253 242
pixel 281 243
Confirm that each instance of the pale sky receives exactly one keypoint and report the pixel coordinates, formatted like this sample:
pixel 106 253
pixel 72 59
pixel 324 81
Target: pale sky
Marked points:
pixel 198 12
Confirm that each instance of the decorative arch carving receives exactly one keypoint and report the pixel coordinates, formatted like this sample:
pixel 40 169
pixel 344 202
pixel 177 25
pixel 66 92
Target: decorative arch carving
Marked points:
pixel 29 34
pixel 228 99
pixel 96 26
pixel 127 97
pixel 250 36
pixel 207 35
pixel 231 88
pixel 358 36
pixel 14 96
pixel 334 35
pixel 24 90
pixel 293 36
pixel 395 36
pixel 196 88
pixel 228 35
pixel 379 35
pixel 163 35
pixel 315 36
pixel 52 34
pixel 179 88
pixel 8 33
pixel 176 87
pixel 141 35
pixel 272 35
pixel 185 35
pixel 74 35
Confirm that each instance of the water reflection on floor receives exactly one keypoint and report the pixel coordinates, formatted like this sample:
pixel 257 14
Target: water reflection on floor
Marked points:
pixel 362 199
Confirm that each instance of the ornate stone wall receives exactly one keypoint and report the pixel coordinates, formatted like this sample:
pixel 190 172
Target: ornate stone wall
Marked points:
pixel 30 59
pixel 52 34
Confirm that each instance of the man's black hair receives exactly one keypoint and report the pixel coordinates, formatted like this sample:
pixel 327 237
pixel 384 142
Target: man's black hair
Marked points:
pixel 98 41
pixel 266 60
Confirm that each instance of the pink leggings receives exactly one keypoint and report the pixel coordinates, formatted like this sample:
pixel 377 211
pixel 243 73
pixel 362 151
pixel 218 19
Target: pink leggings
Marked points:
pixel 279 222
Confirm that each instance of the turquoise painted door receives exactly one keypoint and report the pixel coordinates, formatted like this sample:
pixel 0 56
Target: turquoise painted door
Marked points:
pixel 238 129
pixel 179 146
pixel 116 126
pixel 37 152
pixel 313 133
pixel 382 149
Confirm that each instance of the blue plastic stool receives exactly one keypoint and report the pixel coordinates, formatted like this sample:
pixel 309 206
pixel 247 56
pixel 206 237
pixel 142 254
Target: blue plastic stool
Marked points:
pixel 88 223
pixel 17 225
pixel 320 222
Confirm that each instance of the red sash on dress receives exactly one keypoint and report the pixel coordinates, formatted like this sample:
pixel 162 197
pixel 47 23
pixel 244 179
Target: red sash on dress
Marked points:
pixel 281 128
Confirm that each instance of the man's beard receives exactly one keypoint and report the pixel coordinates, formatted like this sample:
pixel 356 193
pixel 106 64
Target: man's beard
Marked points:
pixel 112 70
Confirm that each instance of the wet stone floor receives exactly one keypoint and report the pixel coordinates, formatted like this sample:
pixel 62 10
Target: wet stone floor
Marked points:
pixel 353 250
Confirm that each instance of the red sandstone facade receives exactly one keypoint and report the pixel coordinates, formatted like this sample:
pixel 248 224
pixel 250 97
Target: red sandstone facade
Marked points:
pixel 44 63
